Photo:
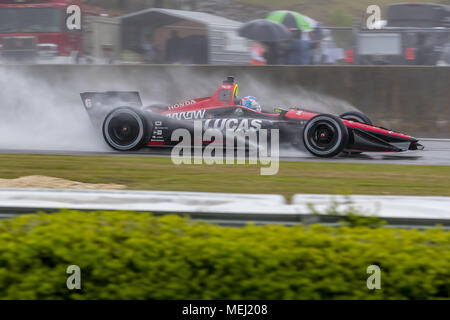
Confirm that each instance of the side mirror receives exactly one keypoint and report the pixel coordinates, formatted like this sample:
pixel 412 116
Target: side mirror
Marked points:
pixel 239 112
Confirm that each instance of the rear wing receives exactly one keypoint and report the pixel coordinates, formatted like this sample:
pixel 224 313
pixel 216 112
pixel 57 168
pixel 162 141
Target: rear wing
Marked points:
pixel 111 99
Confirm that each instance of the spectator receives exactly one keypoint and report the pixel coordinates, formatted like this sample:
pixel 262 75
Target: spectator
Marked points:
pixel 328 52
pixel 283 52
pixel 300 51
pixel 173 48
pixel 306 49
pixel 257 54
pixel 294 50
pixel 147 48
pixel 271 54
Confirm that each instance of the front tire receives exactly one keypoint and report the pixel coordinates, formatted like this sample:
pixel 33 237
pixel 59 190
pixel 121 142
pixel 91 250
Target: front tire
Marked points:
pixel 125 129
pixel 325 136
pixel 356 117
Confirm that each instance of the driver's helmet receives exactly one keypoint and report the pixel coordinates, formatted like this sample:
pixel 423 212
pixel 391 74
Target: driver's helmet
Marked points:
pixel 251 103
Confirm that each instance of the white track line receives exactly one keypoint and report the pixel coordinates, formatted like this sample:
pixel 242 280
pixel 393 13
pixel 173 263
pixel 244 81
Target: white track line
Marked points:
pixel 433 139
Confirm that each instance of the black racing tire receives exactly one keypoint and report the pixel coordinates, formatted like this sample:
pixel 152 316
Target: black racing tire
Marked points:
pixel 325 136
pixel 356 117
pixel 125 129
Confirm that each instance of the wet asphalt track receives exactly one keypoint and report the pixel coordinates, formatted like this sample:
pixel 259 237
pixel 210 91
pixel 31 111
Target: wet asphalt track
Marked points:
pixel 437 152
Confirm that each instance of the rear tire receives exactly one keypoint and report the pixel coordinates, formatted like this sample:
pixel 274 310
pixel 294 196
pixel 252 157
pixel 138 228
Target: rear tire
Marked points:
pixel 125 129
pixel 325 136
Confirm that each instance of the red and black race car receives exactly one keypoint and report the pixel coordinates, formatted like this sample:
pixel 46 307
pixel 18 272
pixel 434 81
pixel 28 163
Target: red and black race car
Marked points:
pixel 128 125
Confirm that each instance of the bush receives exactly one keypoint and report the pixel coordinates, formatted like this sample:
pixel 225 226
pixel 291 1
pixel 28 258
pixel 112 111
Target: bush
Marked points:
pixel 138 256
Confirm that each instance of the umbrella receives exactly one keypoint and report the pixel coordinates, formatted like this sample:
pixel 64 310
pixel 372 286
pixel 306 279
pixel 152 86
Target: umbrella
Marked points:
pixel 292 20
pixel 264 31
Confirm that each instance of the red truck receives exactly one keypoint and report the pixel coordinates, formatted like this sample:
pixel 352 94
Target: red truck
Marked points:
pixel 36 30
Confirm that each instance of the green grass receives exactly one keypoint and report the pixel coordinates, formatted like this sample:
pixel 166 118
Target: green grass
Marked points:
pixel 155 173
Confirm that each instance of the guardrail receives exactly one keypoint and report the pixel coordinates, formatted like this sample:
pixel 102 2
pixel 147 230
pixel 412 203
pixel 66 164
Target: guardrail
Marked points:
pixel 233 209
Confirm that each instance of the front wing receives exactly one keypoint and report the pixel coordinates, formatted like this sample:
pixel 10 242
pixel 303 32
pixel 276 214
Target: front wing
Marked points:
pixel 361 140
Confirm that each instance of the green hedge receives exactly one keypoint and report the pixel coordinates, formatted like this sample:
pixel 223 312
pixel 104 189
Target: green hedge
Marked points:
pixel 138 256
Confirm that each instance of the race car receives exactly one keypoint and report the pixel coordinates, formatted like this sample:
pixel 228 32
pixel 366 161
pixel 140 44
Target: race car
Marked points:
pixel 128 125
